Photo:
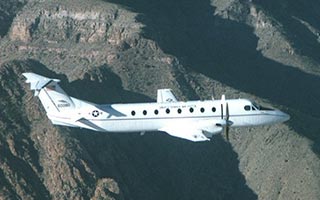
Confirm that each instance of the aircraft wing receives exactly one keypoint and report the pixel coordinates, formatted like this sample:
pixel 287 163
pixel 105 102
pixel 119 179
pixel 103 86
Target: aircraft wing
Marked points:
pixel 187 133
pixel 165 96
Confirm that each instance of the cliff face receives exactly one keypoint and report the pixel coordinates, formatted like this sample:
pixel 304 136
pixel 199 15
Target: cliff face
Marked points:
pixel 53 23
pixel 123 51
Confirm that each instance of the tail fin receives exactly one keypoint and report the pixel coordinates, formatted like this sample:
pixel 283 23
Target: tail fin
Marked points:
pixel 51 95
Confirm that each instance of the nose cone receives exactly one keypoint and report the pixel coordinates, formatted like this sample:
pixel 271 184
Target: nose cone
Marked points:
pixel 283 116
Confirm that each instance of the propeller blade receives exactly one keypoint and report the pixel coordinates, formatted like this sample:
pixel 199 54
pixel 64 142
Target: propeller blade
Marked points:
pixel 227 112
pixel 227 122
pixel 212 94
pixel 226 129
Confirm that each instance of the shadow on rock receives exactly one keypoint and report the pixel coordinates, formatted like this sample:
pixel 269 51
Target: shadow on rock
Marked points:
pixel 101 86
pixel 158 166
pixel 296 18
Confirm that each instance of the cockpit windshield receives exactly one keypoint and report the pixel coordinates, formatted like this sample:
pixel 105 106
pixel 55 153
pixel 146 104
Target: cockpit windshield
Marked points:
pixel 258 107
pixel 255 106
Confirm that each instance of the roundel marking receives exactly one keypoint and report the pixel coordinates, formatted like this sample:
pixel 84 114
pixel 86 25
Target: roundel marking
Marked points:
pixel 95 113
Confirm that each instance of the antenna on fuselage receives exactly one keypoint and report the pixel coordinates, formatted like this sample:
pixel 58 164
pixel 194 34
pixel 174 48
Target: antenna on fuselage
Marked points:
pixel 223 97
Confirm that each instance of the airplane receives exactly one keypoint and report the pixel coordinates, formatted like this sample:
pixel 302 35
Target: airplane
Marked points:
pixel 191 120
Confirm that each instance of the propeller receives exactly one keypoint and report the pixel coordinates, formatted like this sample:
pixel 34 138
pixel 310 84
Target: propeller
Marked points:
pixel 225 118
pixel 225 122
pixel 226 129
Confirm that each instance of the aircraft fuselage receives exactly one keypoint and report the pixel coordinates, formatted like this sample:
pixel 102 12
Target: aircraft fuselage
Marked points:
pixel 138 117
pixel 191 120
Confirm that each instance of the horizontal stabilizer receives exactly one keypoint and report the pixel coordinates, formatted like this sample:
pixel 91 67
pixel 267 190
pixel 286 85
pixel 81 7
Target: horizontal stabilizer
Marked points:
pixel 52 96
pixel 38 82
pixel 165 96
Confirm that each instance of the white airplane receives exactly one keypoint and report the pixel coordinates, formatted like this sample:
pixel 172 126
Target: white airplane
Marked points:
pixel 191 120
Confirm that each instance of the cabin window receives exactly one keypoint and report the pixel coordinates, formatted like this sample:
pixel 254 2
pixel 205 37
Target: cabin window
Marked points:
pixel 179 110
pixel 202 110
pixel 167 110
pixel 191 110
pixel 144 112
pixel 247 108
pixel 156 112
pixel 133 113
pixel 213 109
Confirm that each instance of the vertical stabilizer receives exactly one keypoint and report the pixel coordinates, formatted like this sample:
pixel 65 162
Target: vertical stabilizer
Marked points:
pixel 52 96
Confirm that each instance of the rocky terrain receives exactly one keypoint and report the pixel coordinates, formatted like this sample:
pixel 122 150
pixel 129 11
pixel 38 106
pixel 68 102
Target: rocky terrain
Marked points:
pixel 123 51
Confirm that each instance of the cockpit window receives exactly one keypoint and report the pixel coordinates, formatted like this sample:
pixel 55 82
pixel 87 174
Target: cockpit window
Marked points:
pixel 255 106
pixel 260 107
pixel 265 108
pixel 247 108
